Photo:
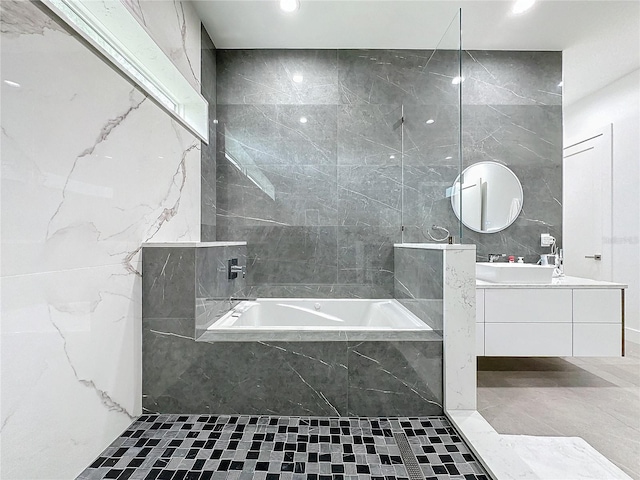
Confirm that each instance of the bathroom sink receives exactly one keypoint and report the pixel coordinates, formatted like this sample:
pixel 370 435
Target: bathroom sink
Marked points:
pixel 514 273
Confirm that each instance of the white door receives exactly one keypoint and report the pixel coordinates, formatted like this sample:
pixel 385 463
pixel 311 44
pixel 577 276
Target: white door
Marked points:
pixel 587 206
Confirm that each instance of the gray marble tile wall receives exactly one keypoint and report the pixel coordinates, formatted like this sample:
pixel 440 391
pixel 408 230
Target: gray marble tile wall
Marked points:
pixel 208 152
pixel 185 288
pixel 513 115
pixel 418 283
pixel 290 378
pixel 168 283
pixel 309 168
pixel 183 371
pixel 215 292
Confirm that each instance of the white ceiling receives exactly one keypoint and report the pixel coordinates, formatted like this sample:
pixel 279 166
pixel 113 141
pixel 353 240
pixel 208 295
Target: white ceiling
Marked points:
pixel 600 38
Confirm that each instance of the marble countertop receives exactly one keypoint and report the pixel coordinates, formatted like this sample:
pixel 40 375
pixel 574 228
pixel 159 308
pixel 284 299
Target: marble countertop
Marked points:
pixel 193 244
pixel 561 282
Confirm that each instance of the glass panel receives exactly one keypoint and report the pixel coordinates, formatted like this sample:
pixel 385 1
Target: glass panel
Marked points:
pixel 431 143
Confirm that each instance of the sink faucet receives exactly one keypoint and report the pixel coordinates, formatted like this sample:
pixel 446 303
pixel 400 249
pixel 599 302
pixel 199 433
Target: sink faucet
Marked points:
pixel 495 256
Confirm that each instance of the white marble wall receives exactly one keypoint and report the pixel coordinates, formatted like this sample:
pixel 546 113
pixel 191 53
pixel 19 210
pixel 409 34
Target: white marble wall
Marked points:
pixel 459 318
pixel 90 170
pixel 174 26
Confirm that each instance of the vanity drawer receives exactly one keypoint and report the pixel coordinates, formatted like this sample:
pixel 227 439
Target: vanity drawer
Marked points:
pixel 597 340
pixel 597 305
pixel 527 339
pixel 527 305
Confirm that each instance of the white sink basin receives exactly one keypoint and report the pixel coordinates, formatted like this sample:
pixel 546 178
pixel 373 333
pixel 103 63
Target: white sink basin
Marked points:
pixel 514 273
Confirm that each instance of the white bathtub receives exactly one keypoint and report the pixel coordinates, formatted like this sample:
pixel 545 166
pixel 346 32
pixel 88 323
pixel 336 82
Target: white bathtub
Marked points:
pixel 319 319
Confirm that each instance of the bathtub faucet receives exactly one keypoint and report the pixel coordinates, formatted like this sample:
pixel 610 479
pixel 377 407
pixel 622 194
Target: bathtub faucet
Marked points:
pixel 233 269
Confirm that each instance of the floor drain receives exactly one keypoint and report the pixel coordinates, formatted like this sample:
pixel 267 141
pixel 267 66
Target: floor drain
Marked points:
pixel 408 458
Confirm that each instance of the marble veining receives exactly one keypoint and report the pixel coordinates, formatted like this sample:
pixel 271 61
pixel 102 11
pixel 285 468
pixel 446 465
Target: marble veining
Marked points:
pixel 78 167
pixel 532 78
pixel 17 21
pixel 175 27
pixel 290 156
pixel 420 289
pixel 206 376
pixel 136 99
pixel 267 77
pixel 459 329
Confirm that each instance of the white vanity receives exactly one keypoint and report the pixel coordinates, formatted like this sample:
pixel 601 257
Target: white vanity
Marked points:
pixel 568 317
pixel 522 310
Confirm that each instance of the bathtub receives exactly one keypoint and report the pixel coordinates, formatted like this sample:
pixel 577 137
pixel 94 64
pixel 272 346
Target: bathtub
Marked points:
pixel 319 319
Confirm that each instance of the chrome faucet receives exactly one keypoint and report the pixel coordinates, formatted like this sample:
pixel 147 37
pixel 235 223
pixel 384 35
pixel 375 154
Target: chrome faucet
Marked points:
pixel 233 269
pixel 235 301
pixel 241 299
pixel 495 256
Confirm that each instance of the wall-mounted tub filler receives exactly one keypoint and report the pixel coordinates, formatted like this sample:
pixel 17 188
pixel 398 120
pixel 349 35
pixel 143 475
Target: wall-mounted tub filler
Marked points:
pixel 233 269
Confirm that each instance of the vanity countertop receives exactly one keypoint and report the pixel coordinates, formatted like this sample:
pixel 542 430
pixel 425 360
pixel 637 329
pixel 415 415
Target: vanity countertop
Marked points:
pixel 562 282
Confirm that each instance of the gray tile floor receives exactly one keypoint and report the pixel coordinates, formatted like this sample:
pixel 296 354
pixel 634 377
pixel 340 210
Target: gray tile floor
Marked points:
pixel 203 447
pixel 597 399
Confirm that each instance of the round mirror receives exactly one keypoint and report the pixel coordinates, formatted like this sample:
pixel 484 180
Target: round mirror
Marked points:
pixel 491 197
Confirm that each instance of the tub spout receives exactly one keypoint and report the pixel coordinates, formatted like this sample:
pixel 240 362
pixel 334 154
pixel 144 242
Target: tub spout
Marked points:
pixel 242 299
pixel 236 303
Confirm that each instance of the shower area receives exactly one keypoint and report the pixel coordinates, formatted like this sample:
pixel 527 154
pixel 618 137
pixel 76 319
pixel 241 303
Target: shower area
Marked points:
pixel 326 158
pixel 296 302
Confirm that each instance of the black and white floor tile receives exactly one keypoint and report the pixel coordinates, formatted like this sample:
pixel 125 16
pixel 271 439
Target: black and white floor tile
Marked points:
pixel 203 447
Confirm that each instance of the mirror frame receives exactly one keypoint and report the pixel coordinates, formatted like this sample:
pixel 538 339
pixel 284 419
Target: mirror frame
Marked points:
pixel 455 205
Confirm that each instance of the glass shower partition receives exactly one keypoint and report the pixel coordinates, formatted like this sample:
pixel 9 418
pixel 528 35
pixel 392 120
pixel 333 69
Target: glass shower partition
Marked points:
pixel 432 144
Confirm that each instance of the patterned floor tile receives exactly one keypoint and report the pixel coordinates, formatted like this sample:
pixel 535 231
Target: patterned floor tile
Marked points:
pixel 225 447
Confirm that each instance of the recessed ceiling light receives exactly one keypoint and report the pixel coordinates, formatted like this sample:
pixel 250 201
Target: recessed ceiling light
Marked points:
pixel 522 6
pixel 289 5
pixel 457 80
pixel 297 77
pixel 392 157
pixel 12 84
pixel 430 121
pixel 303 119
pixel 448 158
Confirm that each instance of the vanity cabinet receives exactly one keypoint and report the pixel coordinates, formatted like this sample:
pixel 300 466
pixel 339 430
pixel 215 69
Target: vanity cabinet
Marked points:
pixel 597 323
pixel 564 319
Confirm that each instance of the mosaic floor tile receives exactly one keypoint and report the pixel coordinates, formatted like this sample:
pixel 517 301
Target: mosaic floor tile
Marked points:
pixel 225 447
